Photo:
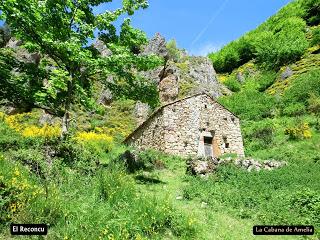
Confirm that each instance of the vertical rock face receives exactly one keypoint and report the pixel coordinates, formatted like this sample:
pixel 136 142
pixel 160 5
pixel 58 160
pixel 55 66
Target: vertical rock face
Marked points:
pixel 203 74
pixel 169 89
pixel 102 48
pixel 141 112
pixel 105 97
pixel 21 54
pixel 195 71
pixel 157 46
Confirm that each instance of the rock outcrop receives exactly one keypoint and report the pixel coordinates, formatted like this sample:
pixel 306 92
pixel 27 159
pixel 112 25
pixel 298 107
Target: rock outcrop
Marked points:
pixel 22 54
pixel 141 112
pixel 157 46
pixel 196 72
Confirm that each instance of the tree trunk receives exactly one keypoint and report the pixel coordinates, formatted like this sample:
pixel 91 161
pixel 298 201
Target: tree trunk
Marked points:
pixel 65 125
pixel 66 116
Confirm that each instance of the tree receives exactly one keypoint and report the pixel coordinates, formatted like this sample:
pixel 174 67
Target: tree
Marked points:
pixel 173 51
pixel 60 30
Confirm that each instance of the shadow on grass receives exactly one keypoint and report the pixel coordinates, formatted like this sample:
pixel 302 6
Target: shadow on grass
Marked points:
pixel 147 180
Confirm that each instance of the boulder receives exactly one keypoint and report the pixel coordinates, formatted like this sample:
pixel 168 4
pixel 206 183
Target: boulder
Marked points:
pixel 240 77
pixel 102 48
pixel 22 54
pixel 106 97
pixel 201 166
pixel 132 161
pixel 287 73
pixel 141 112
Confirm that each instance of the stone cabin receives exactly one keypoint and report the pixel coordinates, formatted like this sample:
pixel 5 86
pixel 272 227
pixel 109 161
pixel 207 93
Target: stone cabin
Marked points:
pixel 193 126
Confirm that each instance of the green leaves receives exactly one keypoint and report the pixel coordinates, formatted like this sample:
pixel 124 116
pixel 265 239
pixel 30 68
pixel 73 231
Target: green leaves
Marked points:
pixel 60 30
pixel 277 42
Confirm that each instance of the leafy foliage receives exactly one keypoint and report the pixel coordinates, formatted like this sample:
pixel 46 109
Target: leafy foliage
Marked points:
pixel 277 42
pixel 240 103
pixel 64 38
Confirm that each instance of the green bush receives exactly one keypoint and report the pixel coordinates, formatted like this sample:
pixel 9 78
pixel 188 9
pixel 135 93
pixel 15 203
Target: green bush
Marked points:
pixel 258 135
pixel 303 87
pixel 283 46
pixel 265 80
pixel 233 84
pixel 315 37
pixel 295 109
pixel 249 104
pixel 33 159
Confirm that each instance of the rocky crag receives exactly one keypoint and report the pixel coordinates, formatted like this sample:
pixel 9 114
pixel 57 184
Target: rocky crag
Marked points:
pixel 181 75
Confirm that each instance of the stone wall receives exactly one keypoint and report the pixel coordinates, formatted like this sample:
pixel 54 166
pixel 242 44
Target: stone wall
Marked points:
pixel 179 127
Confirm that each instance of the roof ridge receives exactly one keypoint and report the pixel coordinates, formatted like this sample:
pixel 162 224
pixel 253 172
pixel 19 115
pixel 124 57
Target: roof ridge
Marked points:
pixel 173 102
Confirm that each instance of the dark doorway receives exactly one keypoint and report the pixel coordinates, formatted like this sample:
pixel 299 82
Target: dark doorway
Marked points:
pixel 208 146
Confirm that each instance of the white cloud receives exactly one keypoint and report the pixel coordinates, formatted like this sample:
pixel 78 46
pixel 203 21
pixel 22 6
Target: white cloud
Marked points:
pixel 205 49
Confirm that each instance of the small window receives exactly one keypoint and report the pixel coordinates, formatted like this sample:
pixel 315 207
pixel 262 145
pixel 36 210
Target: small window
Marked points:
pixel 205 106
pixel 208 124
pixel 233 119
pixel 207 140
pixel 225 140
pixel 226 119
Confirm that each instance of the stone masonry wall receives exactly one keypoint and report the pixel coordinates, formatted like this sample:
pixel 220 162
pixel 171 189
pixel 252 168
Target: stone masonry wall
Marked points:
pixel 179 127
pixel 150 135
pixel 185 121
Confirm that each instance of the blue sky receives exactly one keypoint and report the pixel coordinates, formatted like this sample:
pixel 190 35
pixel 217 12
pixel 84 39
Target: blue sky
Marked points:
pixel 202 26
pixel 205 25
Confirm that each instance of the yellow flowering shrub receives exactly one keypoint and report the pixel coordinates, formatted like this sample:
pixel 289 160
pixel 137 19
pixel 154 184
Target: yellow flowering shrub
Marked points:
pixel 96 142
pixel 17 122
pixel 16 190
pixel 302 131
pixel 92 136
pixel 46 131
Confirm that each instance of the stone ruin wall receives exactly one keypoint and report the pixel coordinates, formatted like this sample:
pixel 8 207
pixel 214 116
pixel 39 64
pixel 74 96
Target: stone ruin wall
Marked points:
pixel 185 122
pixel 150 135
pixel 177 128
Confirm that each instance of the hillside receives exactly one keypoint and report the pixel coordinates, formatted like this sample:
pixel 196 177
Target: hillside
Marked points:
pixel 88 185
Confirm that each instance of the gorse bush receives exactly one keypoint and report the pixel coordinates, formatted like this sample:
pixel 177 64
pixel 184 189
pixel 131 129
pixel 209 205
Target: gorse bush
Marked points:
pixel 299 132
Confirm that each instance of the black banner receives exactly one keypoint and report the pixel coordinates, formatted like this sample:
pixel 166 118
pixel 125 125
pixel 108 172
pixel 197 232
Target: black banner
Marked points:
pixel 283 230
pixel 28 229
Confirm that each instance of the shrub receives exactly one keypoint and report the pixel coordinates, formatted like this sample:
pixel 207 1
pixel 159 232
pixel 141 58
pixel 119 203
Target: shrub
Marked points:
pixel 295 109
pixel 315 37
pixel 299 132
pixel 287 45
pixel 233 84
pixel 242 105
pixel 265 80
pixel 258 135
pixel 33 159
pixel 77 156
pixel 304 86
